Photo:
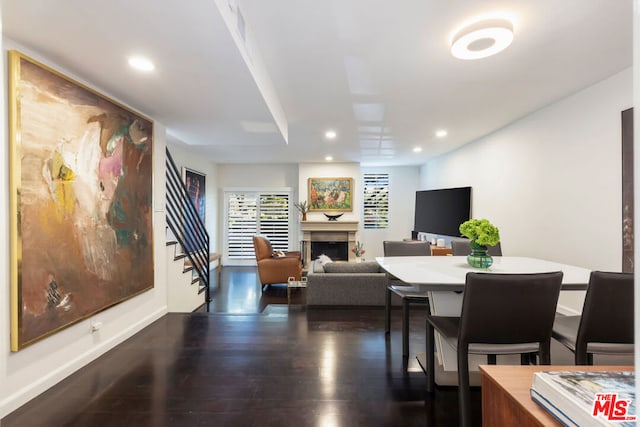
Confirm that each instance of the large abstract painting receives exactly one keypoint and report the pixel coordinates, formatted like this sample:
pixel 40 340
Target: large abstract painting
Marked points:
pixel 81 201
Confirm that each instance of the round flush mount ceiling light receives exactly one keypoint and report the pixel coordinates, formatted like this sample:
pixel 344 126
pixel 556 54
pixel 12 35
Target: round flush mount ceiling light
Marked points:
pixel 441 133
pixel 330 134
pixel 141 63
pixel 328 158
pixel 482 38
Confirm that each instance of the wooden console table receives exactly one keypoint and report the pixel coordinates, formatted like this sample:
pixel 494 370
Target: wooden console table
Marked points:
pixel 440 250
pixel 505 394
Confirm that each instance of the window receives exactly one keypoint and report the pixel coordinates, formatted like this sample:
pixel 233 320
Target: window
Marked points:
pixel 274 219
pixel 255 212
pixel 242 224
pixel 376 200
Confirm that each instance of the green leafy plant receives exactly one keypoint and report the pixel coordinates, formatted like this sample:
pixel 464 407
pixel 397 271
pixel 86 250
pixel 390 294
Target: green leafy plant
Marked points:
pixel 303 207
pixel 480 232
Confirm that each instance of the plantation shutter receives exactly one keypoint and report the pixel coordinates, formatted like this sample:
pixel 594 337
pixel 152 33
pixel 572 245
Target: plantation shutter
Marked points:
pixel 376 200
pixel 274 219
pixel 255 212
pixel 242 218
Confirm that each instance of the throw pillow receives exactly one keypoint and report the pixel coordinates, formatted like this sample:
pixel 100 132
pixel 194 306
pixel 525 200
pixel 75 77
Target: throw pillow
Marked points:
pixel 324 260
pixel 317 267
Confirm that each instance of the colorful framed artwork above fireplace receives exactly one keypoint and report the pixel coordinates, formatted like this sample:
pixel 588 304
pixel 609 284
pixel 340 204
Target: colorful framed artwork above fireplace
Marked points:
pixel 330 194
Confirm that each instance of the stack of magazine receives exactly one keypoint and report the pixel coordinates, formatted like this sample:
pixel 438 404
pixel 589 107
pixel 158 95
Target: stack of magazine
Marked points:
pixel 587 398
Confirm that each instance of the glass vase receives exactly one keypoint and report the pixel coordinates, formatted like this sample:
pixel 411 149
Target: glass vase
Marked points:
pixel 479 257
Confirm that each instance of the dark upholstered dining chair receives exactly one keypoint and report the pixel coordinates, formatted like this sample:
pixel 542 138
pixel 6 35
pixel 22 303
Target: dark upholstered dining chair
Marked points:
pixel 408 294
pixel 501 314
pixel 462 247
pixel 606 323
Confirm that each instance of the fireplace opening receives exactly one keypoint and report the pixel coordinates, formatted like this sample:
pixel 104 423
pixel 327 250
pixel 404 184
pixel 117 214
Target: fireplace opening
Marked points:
pixel 337 251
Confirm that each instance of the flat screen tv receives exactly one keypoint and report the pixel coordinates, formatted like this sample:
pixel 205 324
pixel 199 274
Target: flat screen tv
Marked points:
pixel 442 211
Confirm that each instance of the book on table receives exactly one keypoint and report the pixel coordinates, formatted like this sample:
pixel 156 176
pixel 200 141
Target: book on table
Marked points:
pixel 587 398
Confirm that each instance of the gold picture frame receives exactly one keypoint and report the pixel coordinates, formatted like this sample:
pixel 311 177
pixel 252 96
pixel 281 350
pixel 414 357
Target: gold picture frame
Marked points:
pixel 330 194
pixel 81 196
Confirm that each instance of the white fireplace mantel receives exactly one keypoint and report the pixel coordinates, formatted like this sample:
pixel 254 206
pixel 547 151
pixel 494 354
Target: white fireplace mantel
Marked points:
pixel 312 226
pixel 319 231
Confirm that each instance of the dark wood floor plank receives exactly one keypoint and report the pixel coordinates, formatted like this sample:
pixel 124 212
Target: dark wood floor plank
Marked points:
pixel 286 366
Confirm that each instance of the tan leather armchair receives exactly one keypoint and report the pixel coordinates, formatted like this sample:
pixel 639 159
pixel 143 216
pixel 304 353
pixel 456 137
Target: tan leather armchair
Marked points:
pixel 273 269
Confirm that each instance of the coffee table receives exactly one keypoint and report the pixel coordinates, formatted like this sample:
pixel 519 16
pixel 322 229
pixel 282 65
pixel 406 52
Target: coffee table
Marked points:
pixel 292 283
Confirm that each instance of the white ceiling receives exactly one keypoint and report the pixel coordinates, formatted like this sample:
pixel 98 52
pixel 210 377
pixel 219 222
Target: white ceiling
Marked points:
pixel 379 72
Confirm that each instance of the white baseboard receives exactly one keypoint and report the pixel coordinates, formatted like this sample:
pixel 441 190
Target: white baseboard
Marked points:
pixel 32 390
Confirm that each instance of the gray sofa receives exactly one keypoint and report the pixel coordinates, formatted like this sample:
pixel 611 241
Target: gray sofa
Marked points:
pixel 341 283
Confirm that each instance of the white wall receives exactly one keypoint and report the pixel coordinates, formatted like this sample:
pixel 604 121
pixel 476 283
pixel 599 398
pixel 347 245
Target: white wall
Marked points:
pixel 403 184
pixel 182 157
pixel 254 177
pixel 257 175
pixel 331 170
pixel 551 181
pixel 27 373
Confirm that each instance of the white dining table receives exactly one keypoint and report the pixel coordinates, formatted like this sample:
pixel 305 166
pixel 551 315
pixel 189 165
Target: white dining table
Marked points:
pixel 443 277
pixel 448 273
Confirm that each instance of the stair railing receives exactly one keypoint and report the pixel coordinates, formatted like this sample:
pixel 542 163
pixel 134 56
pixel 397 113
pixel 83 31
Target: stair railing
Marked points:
pixel 187 226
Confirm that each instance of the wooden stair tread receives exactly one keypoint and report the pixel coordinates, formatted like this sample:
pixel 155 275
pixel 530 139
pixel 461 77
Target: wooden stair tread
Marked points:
pixel 213 256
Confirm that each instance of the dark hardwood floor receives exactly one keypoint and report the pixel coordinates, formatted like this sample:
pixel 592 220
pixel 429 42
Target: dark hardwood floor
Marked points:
pixel 253 361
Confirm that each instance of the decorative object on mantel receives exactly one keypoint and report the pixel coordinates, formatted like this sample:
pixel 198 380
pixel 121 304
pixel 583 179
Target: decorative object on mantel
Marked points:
pixel 303 208
pixel 358 250
pixel 482 234
pixel 331 194
pixel 333 217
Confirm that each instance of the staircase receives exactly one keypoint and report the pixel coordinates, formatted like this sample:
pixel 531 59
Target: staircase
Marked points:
pixel 184 291
pixel 188 254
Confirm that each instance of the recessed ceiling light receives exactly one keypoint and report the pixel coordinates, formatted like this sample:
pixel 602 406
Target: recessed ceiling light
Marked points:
pixel 140 63
pixel 441 133
pixel 482 38
pixel 328 158
pixel 417 149
pixel 330 134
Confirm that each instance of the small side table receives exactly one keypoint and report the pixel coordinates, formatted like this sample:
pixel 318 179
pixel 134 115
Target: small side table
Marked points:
pixel 292 283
